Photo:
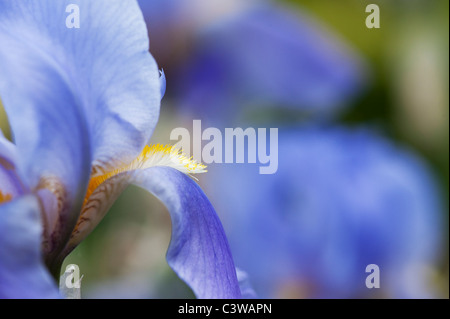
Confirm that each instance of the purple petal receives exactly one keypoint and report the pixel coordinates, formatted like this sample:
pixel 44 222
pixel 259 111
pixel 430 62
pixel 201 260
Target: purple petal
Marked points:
pixel 198 251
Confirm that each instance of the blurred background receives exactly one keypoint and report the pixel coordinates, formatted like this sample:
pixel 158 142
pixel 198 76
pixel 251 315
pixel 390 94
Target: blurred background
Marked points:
pixel 363 174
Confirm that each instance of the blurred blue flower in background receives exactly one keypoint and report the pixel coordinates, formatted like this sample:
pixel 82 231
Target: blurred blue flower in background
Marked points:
pixel 82 104
pixel 256 55
pixel 342 199
pixel 268 56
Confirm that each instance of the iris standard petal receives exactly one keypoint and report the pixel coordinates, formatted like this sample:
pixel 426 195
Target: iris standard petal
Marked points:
pixel 105 62
pixel 198 251
pixel 119 76
pixel 22 272
pixel 268 56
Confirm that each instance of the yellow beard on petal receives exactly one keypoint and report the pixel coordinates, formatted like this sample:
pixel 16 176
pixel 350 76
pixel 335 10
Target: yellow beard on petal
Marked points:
pixel 5 197
pixel 151 156
pixel 105 187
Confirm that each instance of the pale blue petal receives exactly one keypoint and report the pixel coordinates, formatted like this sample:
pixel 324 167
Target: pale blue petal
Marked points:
pixel 198 252
pixel 22 272
pixel 104 64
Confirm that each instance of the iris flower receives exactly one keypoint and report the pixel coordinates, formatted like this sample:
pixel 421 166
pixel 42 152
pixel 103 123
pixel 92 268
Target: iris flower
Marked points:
pixel 341 199
pixel 82 104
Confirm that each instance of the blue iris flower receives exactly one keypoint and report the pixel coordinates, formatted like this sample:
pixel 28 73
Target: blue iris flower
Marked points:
pixel 341 200
pixel 82 104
